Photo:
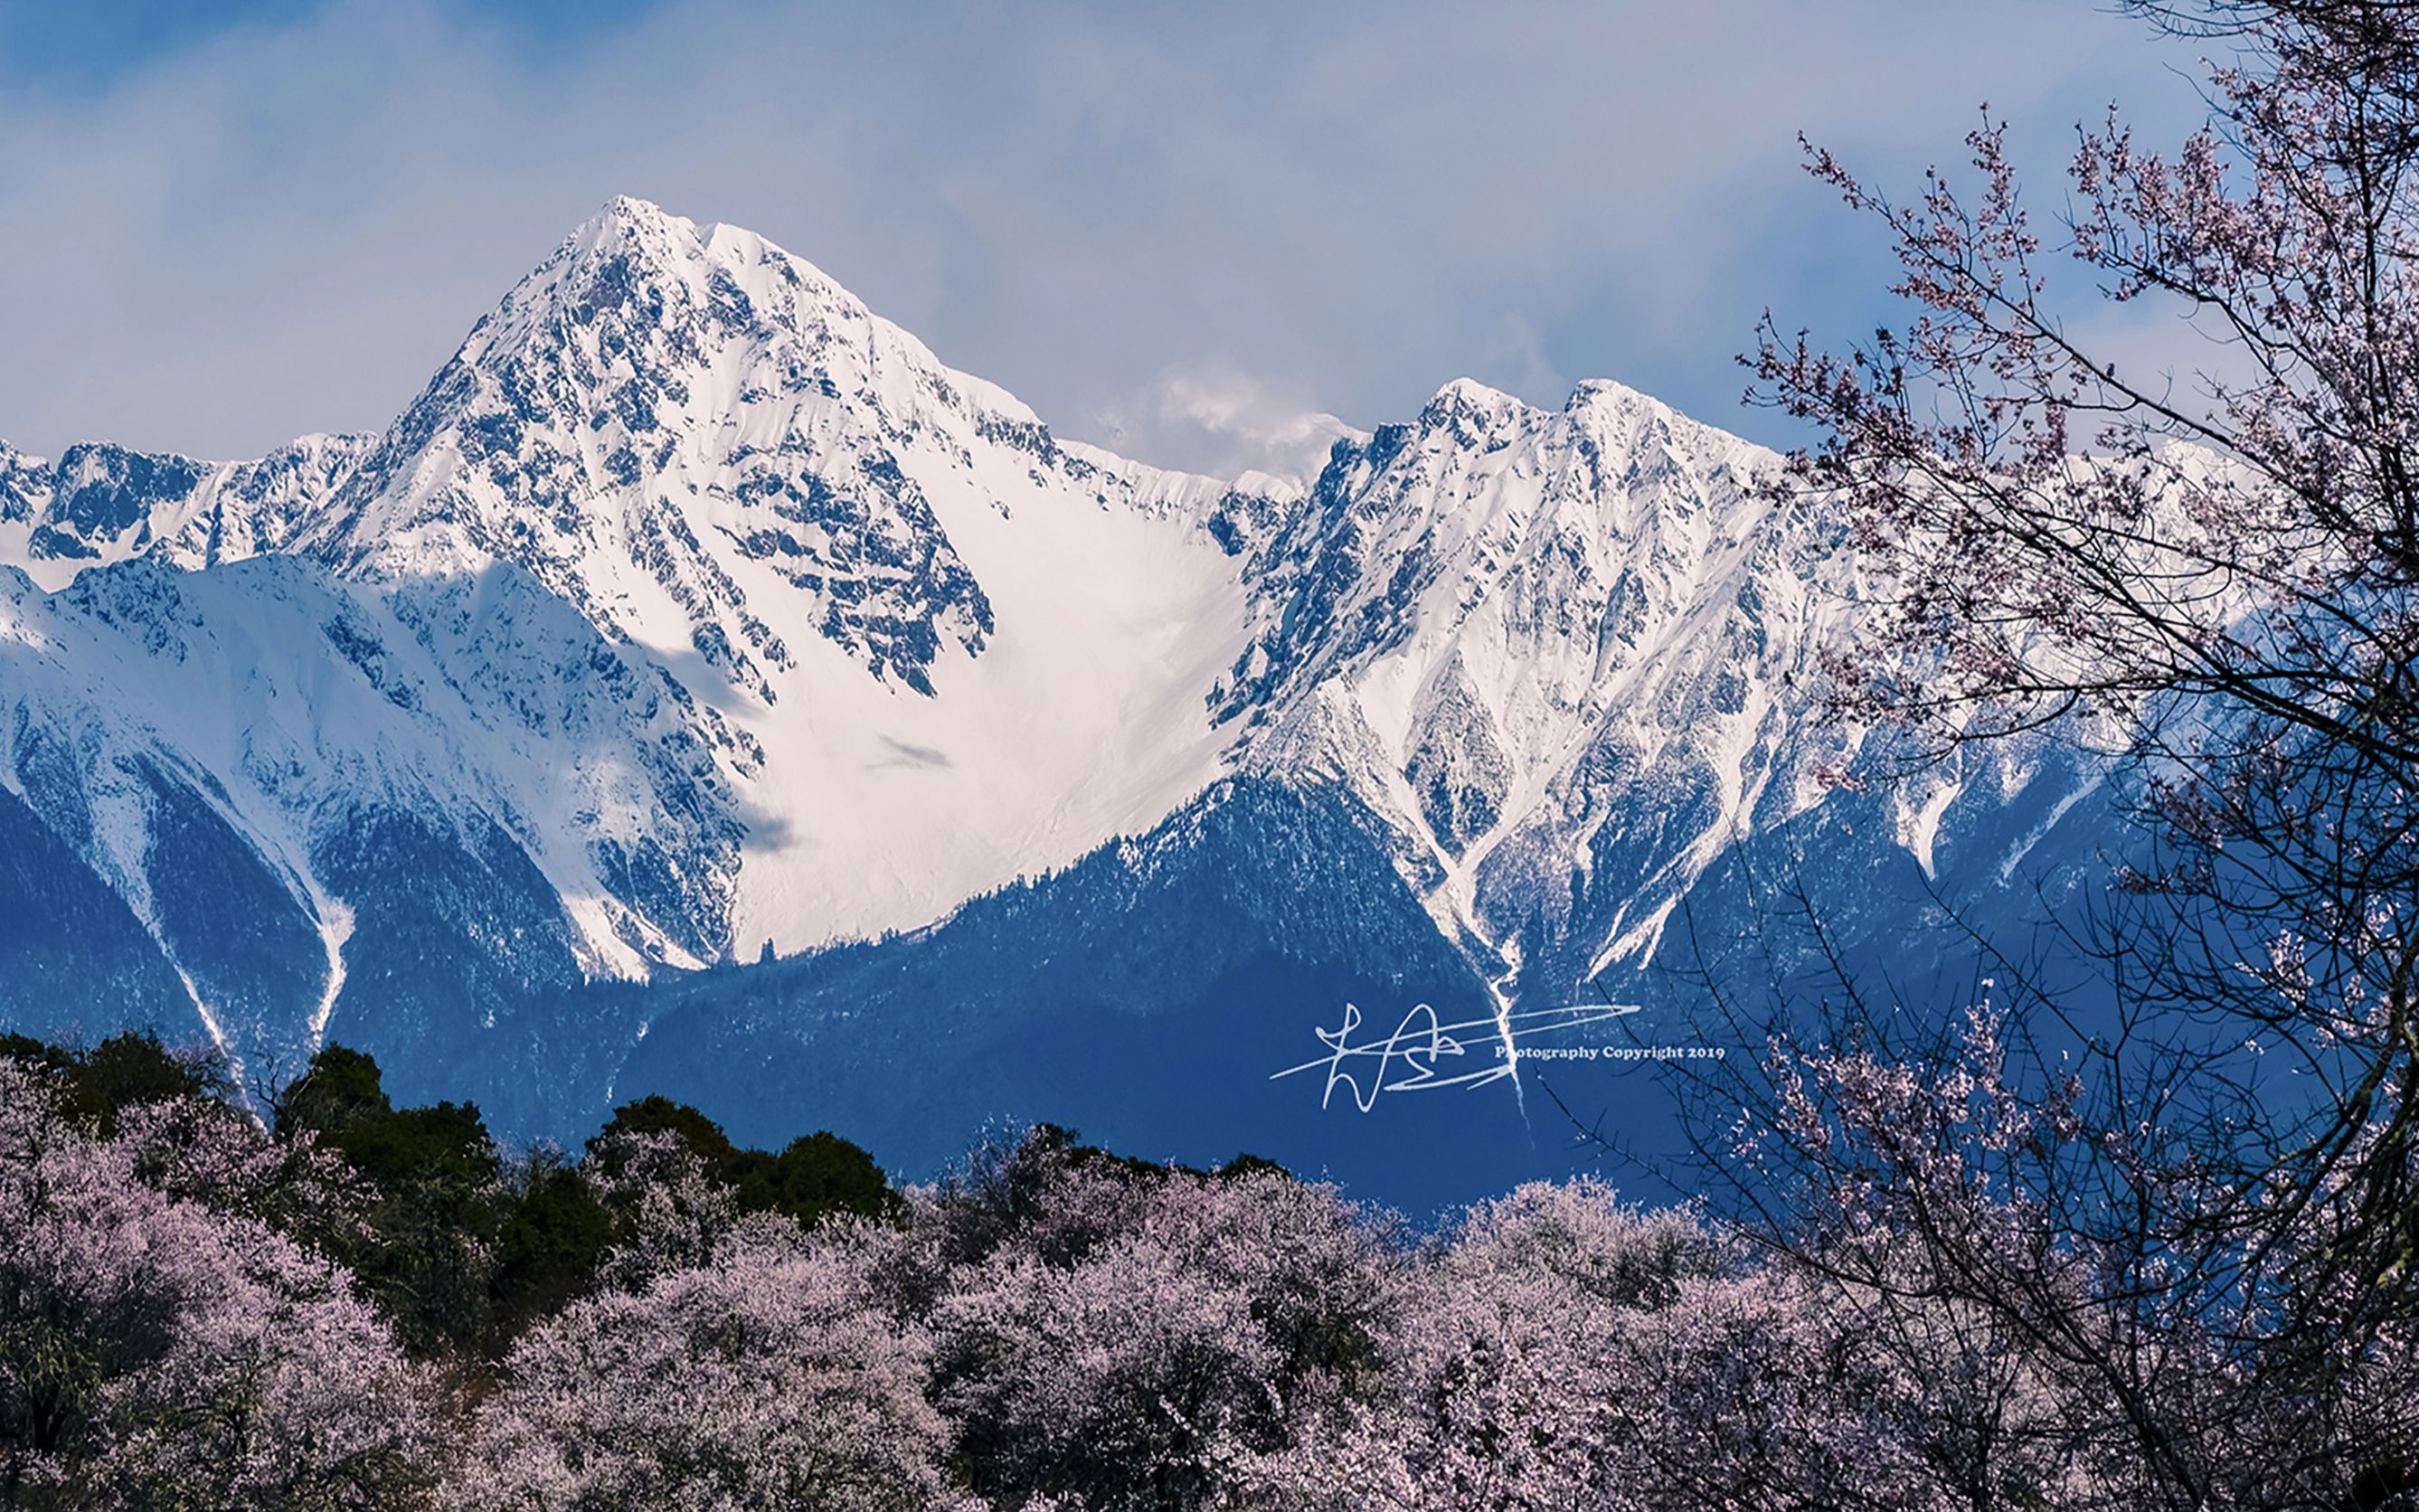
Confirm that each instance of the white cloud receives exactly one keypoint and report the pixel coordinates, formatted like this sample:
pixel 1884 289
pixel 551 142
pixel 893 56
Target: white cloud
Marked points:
pixel 1226 423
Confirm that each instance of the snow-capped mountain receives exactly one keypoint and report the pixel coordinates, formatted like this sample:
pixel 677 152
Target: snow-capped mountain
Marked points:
pixel 929 648
pixel 101 503
pixel 693 609
pixel 684 548
pixel 1550 649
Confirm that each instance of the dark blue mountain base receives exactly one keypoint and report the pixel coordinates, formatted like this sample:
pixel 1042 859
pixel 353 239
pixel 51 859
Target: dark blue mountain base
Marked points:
pixel 1147 1004
pixel 75 964
pixel 1143 995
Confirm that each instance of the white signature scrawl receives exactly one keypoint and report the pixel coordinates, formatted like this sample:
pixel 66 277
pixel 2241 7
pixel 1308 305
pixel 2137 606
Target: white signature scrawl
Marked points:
pixel 1407 1059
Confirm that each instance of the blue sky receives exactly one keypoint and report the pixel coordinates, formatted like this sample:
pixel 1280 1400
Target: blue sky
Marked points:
pixel 73 46
pixel 1172 229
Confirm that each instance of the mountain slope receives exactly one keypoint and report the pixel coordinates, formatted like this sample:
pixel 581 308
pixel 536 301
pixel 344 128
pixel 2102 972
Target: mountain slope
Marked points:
pixel 929 647
pixel 692 608
pixel 678 552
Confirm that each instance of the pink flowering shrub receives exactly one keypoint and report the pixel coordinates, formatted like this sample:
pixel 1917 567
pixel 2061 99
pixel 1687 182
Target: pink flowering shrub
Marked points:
pixel 1198 1324
pixel 1512 1365
pixel 768 1378
pixel 209 1152
pixel 673 1217
pixel 154 1351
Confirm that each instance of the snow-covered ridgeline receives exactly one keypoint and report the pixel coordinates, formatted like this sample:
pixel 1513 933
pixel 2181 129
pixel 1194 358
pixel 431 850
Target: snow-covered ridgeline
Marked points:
pixel 692 606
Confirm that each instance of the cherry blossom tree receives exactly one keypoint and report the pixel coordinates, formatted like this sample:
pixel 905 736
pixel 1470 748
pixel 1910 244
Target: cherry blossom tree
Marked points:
pixel 2196 1210
pixel 771 1377
pixel 1512 1372
pixel 154 1351
pixel 1563 1350
pixel 2213 573
pixel 1144 1336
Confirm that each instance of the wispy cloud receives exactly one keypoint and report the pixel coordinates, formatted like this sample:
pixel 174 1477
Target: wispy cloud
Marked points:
pixel 1224 422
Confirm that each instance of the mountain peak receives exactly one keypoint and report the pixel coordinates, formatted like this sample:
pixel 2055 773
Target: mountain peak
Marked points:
pixel 656 267
pixel 629 228
pixel 1625 421
pixel 626 213
pixel 1468 394
pixel 1607 392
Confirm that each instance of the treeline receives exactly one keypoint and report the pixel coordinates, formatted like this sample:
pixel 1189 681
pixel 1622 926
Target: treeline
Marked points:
pixel 338 1303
